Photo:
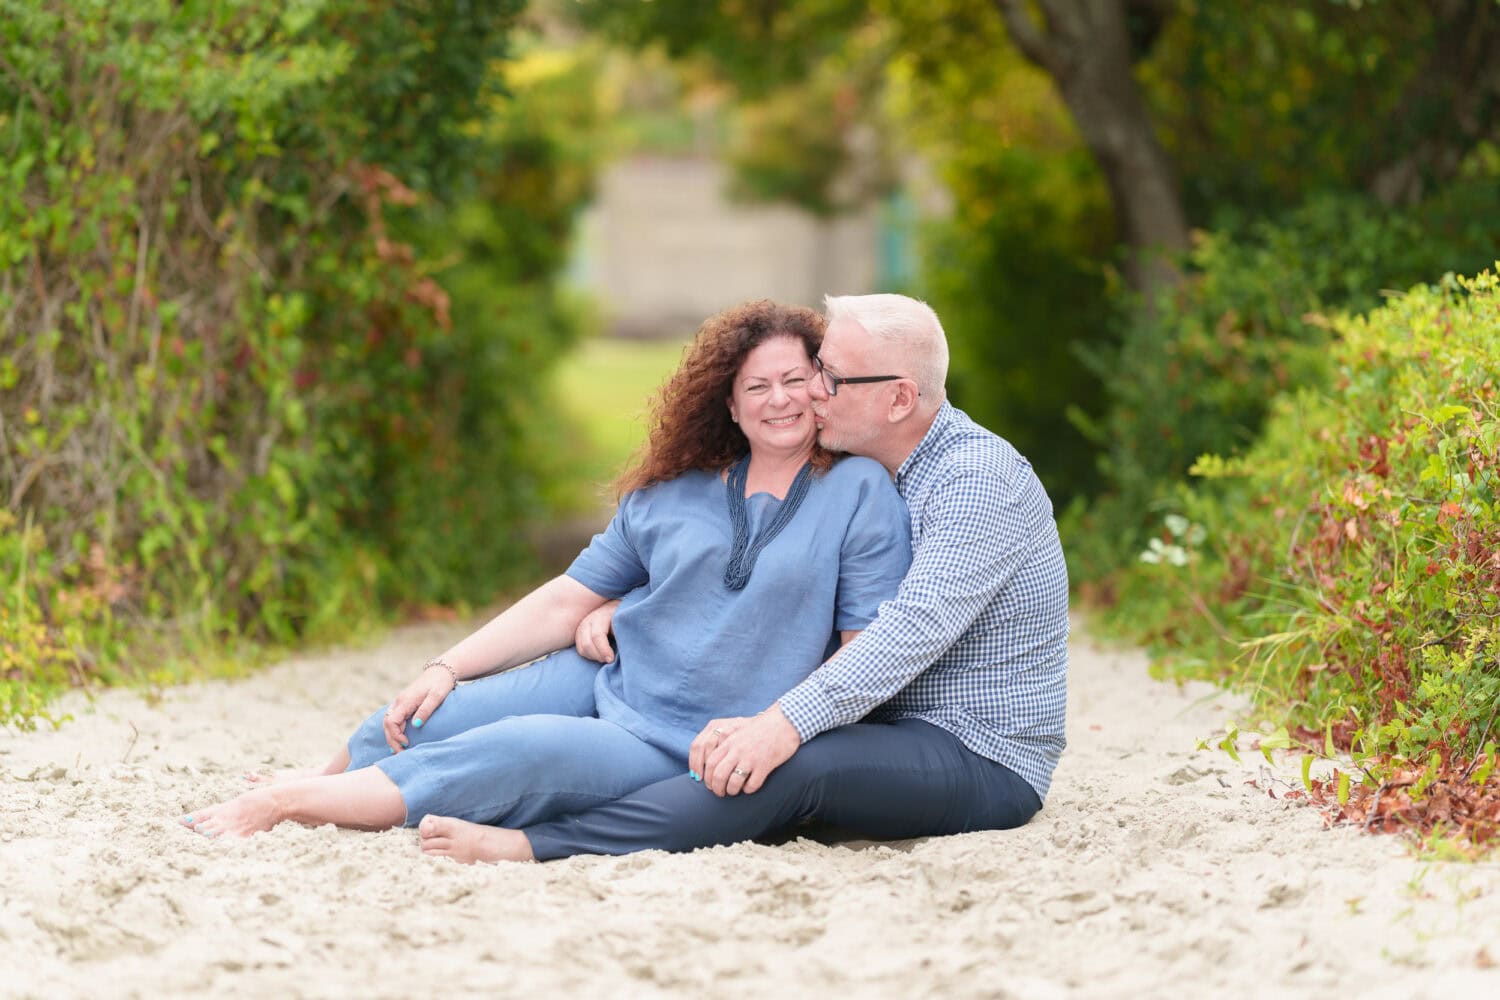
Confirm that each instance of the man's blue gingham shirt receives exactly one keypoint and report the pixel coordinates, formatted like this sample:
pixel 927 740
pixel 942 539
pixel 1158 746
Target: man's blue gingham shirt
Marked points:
pixel 976 640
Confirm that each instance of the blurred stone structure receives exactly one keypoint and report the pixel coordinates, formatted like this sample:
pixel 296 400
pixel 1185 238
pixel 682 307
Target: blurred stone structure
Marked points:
pixel 662 247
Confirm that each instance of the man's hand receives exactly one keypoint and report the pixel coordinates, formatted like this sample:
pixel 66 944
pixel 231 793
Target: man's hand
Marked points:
pixel 737 755
pixel 592 636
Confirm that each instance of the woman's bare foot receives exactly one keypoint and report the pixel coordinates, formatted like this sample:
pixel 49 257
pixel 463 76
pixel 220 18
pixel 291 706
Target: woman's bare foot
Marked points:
pixel 252 812
pixel 264 778
pixel 470 842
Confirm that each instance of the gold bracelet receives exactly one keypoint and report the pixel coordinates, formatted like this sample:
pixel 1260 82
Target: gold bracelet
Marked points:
pixel 438 661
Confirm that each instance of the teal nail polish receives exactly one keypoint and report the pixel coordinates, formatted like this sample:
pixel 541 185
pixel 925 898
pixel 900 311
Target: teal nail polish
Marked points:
pixel 187 819
pixel 417 723
pixel 405 744
pixel 694 775
pixel 393 749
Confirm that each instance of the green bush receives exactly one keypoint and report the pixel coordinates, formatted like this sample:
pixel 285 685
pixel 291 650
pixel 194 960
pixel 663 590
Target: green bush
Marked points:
pixel 1195 374
pixel 259 377
pixel 451 425
pixel 1019 294
pixel 1347 568
pixel 1017 269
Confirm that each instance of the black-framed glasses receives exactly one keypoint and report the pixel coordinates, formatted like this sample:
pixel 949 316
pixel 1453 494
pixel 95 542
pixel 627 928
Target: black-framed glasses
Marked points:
pixel 832 382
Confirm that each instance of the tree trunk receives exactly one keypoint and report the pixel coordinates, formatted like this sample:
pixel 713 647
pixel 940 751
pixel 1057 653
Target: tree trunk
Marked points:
pixel 1084 45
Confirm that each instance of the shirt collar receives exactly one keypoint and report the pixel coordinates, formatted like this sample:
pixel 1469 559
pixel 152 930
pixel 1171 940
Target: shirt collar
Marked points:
pixel 929 442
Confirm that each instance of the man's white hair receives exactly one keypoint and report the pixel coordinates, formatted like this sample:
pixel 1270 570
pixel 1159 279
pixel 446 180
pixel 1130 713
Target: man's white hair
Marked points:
pixel 909 326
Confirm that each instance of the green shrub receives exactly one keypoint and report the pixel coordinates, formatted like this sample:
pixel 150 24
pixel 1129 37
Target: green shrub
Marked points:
pixel 258 376
pixel 1018 293
pixel 450 430
pixel 1196 374
pixel 1347 568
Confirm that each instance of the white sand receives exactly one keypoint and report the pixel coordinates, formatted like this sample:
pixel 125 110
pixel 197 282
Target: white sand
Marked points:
pixel 1154 870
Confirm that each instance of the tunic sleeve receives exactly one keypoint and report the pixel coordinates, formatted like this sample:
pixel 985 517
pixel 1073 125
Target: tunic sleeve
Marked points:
pixel 612 565
pixel 875 554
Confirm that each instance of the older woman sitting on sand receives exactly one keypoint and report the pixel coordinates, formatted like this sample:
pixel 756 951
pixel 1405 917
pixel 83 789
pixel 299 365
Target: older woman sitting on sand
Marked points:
pixel 742 551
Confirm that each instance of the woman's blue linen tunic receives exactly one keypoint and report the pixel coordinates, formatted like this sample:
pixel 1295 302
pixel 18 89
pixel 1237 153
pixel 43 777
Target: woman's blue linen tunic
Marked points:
pixel 565 734
pixel 689 648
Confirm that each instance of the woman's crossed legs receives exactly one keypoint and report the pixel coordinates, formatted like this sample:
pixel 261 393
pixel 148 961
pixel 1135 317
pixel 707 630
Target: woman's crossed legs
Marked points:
pixel 512 749
pixel 562 684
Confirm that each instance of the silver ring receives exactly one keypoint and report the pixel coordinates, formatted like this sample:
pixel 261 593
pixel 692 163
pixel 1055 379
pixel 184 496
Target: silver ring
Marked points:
pixel 741 772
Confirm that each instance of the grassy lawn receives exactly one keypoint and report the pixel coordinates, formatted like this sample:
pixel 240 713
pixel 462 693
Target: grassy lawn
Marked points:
pixel 603 388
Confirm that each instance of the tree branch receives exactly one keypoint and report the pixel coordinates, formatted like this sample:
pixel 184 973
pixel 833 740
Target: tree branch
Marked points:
pixel 1029 37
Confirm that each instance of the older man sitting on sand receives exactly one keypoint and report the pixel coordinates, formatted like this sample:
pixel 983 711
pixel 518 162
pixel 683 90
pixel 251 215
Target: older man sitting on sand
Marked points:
pixel 943 716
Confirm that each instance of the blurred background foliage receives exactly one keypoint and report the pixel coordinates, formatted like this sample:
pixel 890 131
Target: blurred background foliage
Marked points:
pixel 1259 112
pixel 281 283
pixel 290 344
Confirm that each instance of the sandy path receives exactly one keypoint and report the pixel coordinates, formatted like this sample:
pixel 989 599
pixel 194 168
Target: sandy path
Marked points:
pixel 1154 870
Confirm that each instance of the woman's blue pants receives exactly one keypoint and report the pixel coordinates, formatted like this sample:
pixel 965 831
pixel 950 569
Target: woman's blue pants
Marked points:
pixel 513 749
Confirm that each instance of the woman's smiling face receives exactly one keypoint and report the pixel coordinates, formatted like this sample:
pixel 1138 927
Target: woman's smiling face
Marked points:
pixel 770 401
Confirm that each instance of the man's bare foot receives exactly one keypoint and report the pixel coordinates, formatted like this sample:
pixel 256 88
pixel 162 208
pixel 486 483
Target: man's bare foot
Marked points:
pixel 470 842
pixel 337 765
pixel 252 812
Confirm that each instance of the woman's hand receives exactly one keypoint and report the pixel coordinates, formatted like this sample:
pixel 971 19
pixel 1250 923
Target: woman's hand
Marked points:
pixel 416 703
pixel 592 636
pixel 707 741
pixel 731 756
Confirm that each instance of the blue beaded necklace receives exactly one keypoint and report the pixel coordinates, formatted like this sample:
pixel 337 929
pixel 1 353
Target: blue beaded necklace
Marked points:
pixel 743 555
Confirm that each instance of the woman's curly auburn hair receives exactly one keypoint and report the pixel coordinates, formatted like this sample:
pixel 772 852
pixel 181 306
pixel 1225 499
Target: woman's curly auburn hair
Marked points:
pixel 690 423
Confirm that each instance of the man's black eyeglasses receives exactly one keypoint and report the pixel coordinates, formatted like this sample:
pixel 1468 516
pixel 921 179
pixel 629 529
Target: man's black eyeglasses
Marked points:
pixel 832 382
